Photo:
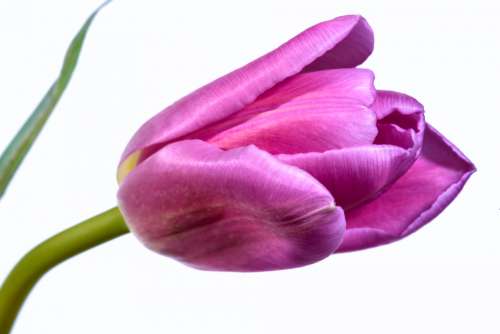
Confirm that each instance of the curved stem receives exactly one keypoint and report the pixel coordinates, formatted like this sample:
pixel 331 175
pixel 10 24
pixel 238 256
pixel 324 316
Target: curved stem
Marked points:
pixel 77 239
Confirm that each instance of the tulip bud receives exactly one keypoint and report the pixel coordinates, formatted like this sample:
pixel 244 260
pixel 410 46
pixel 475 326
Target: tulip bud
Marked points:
pixel 244 173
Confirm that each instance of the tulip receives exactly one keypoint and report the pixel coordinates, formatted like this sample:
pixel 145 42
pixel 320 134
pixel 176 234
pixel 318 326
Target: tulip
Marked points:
pixel 286 160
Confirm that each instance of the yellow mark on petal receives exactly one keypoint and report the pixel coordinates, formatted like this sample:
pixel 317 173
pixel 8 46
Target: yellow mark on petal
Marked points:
pixel 127 166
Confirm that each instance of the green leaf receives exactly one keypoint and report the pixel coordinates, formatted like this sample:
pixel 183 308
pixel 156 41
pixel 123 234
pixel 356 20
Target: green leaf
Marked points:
pixel 19 146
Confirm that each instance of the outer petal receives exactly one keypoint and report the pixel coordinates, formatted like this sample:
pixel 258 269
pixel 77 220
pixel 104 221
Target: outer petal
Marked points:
pixel 412 201
pixel 236 210
pixel 354 175
pixel 344 41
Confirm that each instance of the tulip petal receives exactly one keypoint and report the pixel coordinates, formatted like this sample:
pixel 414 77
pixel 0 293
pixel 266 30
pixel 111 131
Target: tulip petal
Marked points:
pixel 353 84
pixel 304 126
pixel 387 102
pixel 344 41
pixel 401 120
pixel 235 210
pixel 309 112
pixel 416 198
pixel 348 83
pixel 356 174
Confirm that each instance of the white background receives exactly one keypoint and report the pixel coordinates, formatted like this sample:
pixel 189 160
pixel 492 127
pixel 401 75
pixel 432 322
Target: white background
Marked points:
pixel 142 55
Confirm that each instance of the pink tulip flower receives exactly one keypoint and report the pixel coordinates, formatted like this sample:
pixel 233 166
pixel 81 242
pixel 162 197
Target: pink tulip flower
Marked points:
pixel 287 160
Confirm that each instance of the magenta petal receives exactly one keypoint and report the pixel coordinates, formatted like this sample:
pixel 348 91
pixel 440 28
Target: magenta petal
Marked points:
pixel 304 126
pixel 347 83
pixel 355 174
pixel 235 210
pixel 401 120
pixel 352 84
pixel 309 112
pixel 416 198
pixel 388 102
pixel 344 41
pixel 350 52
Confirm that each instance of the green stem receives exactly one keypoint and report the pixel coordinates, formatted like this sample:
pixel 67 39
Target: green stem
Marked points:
pixel 77 239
